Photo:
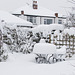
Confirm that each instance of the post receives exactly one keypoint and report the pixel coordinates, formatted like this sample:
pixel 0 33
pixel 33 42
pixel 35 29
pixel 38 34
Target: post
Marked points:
pixel 49 38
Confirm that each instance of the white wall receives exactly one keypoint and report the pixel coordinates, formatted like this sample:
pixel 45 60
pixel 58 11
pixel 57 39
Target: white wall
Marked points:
pixel 42 20
pixel 56 20
pixel 38 20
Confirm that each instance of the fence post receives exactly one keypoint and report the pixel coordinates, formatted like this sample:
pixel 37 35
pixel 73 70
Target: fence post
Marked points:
pixel 73 45
pixel 1 40
pixel 69 42
pixel 66 40
pixel 49 38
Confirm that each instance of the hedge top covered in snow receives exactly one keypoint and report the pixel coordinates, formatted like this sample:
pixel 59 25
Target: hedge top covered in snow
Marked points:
pixel 28 10
pixel 47 28
pixel 11 19
pixel 44 48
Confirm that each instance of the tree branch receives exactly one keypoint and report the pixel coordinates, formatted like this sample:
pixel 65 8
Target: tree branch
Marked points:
pixel 71 1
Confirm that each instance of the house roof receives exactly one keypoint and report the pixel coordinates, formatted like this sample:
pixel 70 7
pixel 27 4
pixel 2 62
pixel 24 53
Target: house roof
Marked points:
pixel 11 19
pixel 28 10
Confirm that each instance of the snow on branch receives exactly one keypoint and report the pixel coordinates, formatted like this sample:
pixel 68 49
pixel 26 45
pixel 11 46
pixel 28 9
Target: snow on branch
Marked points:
pixel 71 1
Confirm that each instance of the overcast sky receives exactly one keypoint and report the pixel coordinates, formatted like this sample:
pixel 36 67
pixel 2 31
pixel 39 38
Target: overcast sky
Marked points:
pixel 55 5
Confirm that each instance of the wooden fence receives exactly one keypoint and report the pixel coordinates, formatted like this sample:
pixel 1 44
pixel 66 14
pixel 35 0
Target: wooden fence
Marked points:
pixel 1 42
pixel 63 40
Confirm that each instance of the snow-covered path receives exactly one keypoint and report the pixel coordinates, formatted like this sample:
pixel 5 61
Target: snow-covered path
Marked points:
pixel 21 64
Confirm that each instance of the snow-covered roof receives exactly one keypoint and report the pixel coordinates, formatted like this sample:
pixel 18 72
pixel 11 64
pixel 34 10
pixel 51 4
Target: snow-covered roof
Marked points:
pixel 28 10
pixel 11 19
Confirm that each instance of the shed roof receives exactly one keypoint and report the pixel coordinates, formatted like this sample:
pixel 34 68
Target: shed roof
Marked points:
pixel 11 19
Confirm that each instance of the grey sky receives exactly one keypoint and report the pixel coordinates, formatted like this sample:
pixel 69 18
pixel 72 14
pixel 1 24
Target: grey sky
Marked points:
pixel 55 5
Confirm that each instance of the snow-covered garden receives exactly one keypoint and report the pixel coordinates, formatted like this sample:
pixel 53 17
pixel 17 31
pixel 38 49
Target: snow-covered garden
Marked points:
pixel 21 46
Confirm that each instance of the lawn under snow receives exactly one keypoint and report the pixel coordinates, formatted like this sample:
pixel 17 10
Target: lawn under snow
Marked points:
pixel 22 64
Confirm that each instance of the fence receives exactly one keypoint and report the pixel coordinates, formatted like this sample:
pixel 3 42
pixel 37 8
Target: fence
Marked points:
pixel 1 43
pixel 63 40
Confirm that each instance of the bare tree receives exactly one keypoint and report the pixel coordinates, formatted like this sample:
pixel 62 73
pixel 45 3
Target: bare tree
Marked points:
pixel 71 16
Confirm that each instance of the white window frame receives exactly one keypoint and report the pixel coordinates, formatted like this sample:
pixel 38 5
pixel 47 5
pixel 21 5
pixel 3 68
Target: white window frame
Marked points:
pixel 46 20
pixel 59 21
pixel 31 19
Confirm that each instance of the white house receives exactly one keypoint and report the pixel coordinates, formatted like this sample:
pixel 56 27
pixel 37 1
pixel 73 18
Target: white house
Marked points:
pixel 38 15
pixel 9 19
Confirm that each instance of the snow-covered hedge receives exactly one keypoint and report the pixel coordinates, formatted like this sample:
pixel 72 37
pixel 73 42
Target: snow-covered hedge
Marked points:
pixel 48 29
pixel 3 55
pixel 19 39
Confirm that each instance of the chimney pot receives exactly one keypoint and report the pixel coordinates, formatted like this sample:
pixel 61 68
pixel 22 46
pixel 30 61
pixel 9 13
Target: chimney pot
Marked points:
pixel 22 12
pixel 56 14
pixel 35 6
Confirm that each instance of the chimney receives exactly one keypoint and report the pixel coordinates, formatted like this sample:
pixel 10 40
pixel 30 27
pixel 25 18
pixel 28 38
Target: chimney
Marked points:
pixel 56 18
pixel 35 6
pixel 22 12
pixel 56 14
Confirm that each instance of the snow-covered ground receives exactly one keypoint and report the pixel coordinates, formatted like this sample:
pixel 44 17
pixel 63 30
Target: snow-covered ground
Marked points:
pixel 22 64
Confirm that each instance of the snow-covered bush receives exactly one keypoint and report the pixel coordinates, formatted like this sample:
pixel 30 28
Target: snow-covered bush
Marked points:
pixel 25 40
pixel 36 37
pixel 10 38
pixel 3 55
pixel 18 39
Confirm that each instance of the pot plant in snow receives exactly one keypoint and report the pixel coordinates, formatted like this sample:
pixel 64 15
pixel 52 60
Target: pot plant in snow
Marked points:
pixel 47 53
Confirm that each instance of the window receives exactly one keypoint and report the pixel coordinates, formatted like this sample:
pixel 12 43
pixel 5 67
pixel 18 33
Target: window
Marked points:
pixel 31 19
pixel 47 21
pixel 60 22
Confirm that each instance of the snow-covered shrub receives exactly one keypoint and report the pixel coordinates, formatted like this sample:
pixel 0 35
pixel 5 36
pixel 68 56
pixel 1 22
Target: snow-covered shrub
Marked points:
pixel 18 39
pixel 3 54
pixel 25 40
pixel 43 50
pixel 37 37
pixel 10 38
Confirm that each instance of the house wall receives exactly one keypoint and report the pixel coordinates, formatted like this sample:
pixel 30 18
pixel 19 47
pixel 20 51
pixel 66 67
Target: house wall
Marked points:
pixel 40 20
pixel 56 20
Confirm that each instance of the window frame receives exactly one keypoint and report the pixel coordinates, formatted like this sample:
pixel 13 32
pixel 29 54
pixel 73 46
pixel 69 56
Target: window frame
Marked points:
pixel 46 21
pixel 31 19
pixel 59 21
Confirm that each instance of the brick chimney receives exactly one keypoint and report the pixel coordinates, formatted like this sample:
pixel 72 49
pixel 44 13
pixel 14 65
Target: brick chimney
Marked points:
pixel 56 14
pixel 35 6
pixel 22 12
